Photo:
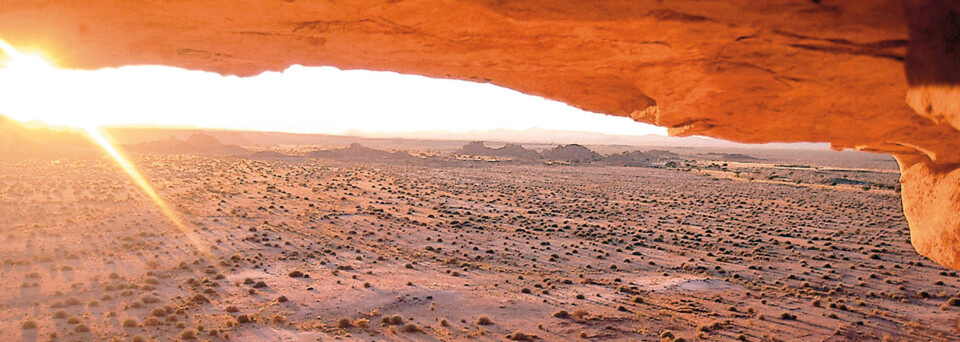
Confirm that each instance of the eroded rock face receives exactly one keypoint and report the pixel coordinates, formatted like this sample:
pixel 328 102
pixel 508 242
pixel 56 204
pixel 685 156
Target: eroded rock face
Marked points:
pixel 749 71
pixel 931 204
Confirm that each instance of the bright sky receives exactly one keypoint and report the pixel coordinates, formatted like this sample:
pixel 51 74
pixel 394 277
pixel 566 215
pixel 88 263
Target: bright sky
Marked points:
pixel 299 99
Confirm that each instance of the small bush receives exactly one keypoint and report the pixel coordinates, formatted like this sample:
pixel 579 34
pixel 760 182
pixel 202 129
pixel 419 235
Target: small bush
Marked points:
pixel 158 312
pixel 393 320
pixel 278 318
pixel 484 320
pixel 361 323
pixel 188 334
pixel 412 328
pixel 520 336
pixel 244 318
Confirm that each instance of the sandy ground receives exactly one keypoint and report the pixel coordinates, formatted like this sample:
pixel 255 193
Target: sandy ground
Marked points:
pixel 320 250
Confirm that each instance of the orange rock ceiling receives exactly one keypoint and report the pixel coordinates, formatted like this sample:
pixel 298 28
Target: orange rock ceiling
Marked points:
pixel 874 75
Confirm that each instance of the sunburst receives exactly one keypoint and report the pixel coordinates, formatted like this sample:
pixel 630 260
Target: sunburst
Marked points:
pixel 34 68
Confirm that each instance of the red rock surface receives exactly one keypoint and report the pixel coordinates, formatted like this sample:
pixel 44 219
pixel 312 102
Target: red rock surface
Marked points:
pixel 749 71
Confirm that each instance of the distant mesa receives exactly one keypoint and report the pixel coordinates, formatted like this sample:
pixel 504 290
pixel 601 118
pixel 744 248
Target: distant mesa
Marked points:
pixel 357 152
pixel 196 144
pixel 735 157
pixel 511 151
pixel 641 159
pixel 270 155
pixel 572 153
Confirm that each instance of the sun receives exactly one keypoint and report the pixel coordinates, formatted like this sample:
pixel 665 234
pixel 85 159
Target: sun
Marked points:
pixel 33 70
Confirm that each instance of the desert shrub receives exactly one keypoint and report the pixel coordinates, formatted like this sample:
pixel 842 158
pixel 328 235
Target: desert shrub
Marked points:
pixel 561 314
pixel 200 299
pixel 130 323
pixel 392 320
pixel 484 320
pixel 278 318
pixel 412 328
pixel 188 334
pixel 520 336
pixel 158 312
pixel 244 318
pixel 29 325
pixel 73 301
pixel 580 313
pixel 953 301
pixel 344 323
pixel 361 323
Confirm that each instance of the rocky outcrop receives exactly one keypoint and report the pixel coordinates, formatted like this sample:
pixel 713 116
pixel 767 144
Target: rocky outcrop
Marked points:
pixel 641 158
pixel 572 153
pixel 875 75
pixel 510 151
pixel 356 152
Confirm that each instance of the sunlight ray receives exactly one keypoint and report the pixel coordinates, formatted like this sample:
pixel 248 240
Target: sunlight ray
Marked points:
pixel 34 66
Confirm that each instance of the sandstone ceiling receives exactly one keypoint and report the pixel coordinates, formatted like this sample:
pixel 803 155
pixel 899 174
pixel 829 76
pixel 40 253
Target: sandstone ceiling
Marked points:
pixel 874 75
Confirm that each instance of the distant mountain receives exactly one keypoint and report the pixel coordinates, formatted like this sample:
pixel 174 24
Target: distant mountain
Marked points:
pixel 356 152
pixel 573 153
pixel 547 136
pixel 736 157
pixel 639 158
pixel 437 140
pixel 512 151
pixel 197 144
pixel 271 155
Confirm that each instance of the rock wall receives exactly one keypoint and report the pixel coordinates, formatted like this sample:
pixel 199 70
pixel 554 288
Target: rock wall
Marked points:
pixel 874 75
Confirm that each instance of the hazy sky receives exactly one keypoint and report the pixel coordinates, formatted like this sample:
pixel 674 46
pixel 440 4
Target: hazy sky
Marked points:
pixel 299 99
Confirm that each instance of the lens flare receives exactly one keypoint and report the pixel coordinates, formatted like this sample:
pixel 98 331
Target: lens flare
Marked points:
pixel 35 68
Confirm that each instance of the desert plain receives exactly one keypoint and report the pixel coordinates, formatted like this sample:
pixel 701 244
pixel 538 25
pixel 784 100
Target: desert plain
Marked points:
pixel 300 243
